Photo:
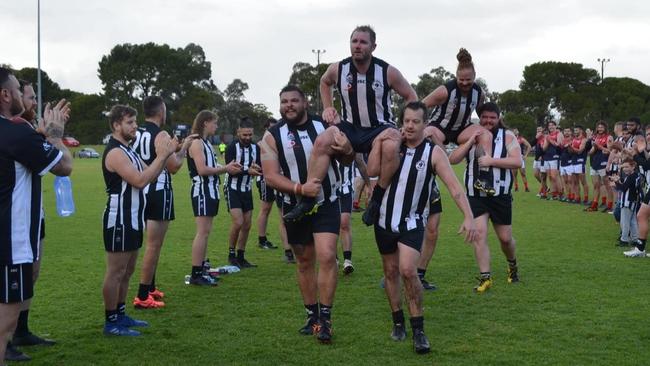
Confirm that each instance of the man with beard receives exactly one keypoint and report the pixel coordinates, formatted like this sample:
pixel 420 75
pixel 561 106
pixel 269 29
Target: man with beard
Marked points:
pixel 364 83
pixel 160 198
pixel 497 208
pixel 22 335
pixel 286 148
pixel 126 177
pixel 25 156
pixel 238 190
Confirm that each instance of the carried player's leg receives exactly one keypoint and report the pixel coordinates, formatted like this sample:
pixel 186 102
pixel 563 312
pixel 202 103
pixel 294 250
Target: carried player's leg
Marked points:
pixel 319 162
pixel 484 147
pixel 387 144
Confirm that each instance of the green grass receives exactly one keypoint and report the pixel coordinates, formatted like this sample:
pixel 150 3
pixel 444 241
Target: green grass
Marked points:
pixel 579 303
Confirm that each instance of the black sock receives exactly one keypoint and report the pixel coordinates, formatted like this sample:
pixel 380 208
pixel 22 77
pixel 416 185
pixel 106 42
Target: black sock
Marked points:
pixel 262 239
pixel 143 291
pixel 417 323
pixel 486 275
pixel 21 328
pixel 312 310
pixel 197 271
pixel 398 316
pixel 512 263
pixel 152 287
pixel 378 194
pixel 231 252
pixel 325 311
pixel 421 273
pixel 111 316
pixel 288 253
pixel 121 308
pixel 240 254
pixel 347 254
pixel 641 244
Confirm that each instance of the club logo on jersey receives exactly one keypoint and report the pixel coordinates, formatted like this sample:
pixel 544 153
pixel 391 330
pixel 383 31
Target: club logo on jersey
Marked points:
pixel 47 146
pixel 421 164
pixel 14 285
pixel 292 139
pixel 376 85
pixel 349 78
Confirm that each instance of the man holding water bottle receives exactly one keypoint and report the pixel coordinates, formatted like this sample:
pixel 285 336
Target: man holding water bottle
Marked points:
pixel 25 156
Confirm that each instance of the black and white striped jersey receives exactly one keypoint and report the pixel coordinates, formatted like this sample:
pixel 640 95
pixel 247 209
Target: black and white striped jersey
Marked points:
pixel 25 156
pixel 245 155
pixel 125 205
pixel 456 112
pixel 406 201
pixel 502 178
pixel 207 186
pixel 347 177
pixel 366 98
pixel 294 145
pixel 144 146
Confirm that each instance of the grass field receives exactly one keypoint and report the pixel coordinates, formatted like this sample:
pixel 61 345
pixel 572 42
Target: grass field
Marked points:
pixel 580 301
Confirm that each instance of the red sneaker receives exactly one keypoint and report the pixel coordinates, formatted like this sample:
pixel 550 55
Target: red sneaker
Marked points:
pixel 149 303
pixel 157 294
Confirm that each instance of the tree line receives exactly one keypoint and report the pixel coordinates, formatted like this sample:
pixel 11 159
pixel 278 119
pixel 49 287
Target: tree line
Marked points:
pixel 183 77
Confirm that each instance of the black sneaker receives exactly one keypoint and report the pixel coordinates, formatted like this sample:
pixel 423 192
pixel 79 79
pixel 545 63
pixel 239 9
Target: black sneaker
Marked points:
pixel 484 186
pixel 399 332
pixel 427 286
pixel 310 324
pixel 31 339
pixel 268 245
pixel 233 261
pixel 324 331
pixel 203 280
pixel 371 215
pixel 513 275
pixel 289 258
pixel 246 264
pixel 420 342
pixel 301 210
pixel 14 354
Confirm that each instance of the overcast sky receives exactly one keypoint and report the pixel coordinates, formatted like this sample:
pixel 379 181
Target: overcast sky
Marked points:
pixel 259 41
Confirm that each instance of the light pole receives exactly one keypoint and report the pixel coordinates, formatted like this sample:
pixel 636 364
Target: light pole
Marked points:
pixel 318 53
pixel 602 61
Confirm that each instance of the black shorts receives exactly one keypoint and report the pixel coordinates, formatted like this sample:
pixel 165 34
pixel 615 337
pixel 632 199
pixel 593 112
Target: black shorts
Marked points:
pixel 203 205
pixel 326 220
pixel 121 238
pixel 499 208
pixel 361 138
pixel 450 135
pixel 346 202
pixel 387 240
pixel 267 194
pixel 241 200
pixel 160 204
pixel 435 207
pixel 16 283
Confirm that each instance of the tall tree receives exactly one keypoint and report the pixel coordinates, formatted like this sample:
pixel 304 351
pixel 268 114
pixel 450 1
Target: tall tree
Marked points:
pixel 131 72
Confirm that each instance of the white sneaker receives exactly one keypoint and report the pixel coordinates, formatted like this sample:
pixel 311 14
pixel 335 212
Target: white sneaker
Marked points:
pixel 635 252
pixel 347 266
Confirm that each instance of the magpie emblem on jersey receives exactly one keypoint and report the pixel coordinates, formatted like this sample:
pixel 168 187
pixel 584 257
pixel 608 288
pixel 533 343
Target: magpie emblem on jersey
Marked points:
pixel 47 146
pixel 292 139
pixel 377 85
pixel 421 165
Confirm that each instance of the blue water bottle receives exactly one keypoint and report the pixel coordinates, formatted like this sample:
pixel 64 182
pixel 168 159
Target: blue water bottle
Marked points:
pixel 64 199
